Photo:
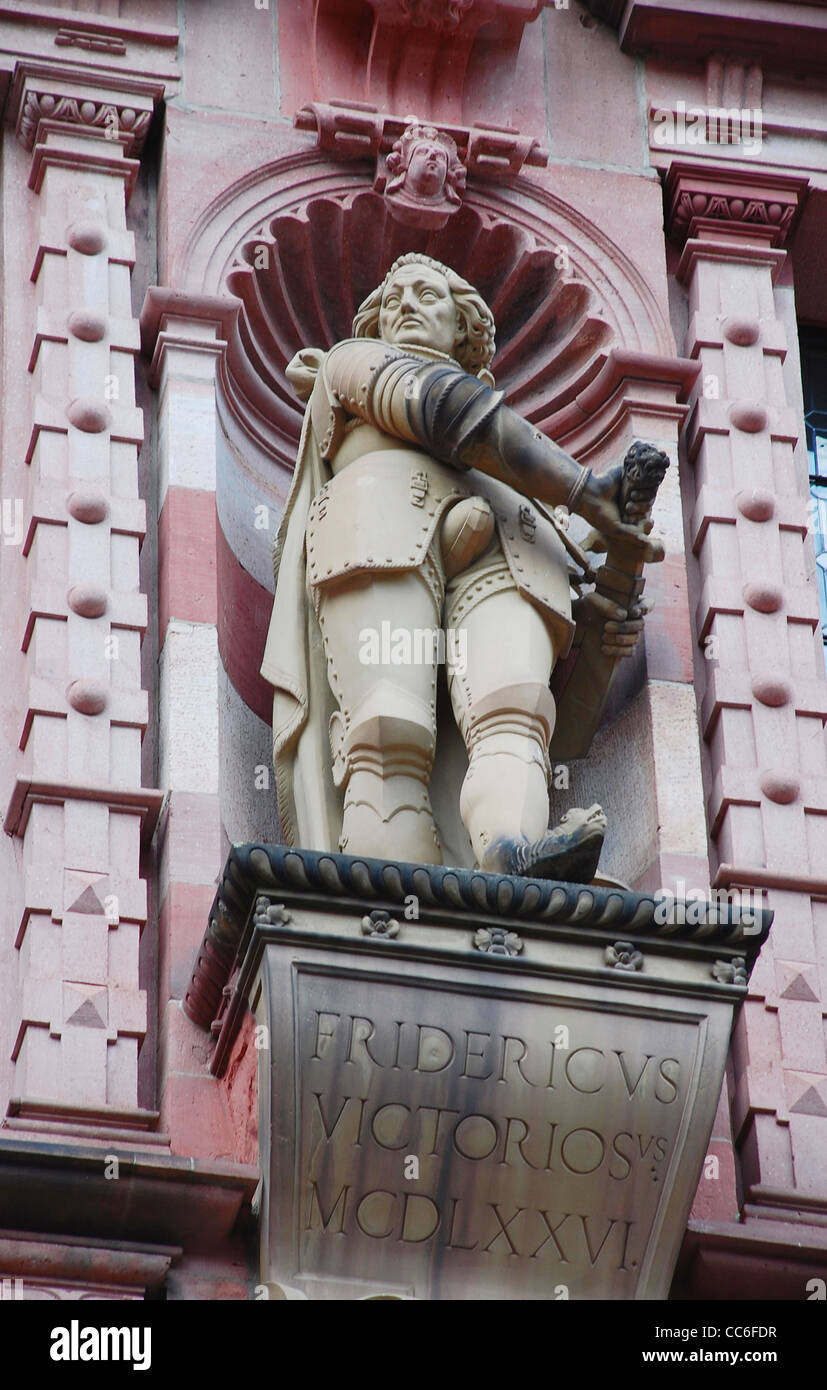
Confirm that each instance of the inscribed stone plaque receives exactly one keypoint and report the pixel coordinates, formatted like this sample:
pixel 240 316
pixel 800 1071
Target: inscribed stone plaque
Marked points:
pixel 456 1134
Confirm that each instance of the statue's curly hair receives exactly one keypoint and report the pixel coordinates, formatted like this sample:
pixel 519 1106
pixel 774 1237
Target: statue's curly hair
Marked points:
pixel 475 350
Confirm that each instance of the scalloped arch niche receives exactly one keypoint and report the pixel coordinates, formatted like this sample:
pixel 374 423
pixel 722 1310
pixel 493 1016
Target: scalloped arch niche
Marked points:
pixel 301 244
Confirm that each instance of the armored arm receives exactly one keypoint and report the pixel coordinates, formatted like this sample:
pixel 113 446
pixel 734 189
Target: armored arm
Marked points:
pixel 455 416
pixel 463 422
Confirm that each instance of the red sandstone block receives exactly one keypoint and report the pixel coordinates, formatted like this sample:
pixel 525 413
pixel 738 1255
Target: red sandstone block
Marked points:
pixel 668 629
pixel 182 923
pixel 184 1048
pixel 192 851
pixel 186 565
pixel 716 1198
pixel 193 1115
pixel 239 1087
pixel 230 58
pixel 188 1288
pixel 667 869
pixel 802 1036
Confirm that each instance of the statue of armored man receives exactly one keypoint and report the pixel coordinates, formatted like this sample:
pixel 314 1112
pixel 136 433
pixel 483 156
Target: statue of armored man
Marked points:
pixel 417 508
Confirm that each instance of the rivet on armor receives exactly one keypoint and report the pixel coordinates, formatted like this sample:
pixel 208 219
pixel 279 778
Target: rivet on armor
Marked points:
pixel 528 524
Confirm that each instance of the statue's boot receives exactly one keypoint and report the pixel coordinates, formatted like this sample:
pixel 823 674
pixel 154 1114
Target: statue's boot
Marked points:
pixel 383 759
pixel 569 853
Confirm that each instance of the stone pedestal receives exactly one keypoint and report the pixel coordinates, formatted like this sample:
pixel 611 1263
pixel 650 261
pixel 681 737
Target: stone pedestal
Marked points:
pixel 471 1086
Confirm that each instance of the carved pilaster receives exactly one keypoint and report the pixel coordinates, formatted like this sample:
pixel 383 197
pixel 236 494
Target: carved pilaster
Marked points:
pixel 79 805
pixel 764 698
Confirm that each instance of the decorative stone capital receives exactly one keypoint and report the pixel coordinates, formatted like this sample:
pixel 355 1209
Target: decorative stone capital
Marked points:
pixel 197 325
pixel 50 100
pixel 731 206
pixel 262 885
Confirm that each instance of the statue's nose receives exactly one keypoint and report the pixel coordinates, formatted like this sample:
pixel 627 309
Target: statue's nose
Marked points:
pixel 408 303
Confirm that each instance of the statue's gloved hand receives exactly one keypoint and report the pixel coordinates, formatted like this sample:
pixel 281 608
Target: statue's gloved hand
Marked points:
pixel 599 504
pixel 621 627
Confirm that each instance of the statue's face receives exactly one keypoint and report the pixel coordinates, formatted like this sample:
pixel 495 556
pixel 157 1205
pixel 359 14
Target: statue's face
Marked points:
pixel 418 310
pixel 427 171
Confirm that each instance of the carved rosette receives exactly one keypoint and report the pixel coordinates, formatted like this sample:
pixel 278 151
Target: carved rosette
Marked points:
pixel 380 925
pixel 623 955
pixel 496 941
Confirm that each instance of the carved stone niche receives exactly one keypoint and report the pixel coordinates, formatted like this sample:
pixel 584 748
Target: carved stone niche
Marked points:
pixel 565 299
pixel 470 1086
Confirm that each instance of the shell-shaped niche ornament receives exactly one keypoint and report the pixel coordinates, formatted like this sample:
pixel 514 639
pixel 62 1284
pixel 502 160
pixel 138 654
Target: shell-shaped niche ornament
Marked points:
pixel 302 275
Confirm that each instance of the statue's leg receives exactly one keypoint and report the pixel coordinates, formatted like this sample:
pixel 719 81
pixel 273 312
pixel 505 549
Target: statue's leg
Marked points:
pixel 382 670
pixel 505 711
pixel 502 704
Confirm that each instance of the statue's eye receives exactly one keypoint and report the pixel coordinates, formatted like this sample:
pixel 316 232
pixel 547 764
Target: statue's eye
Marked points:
pixel 391 301
pixel 428 296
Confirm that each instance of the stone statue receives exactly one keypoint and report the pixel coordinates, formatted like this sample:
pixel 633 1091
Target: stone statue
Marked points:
pixel 416 508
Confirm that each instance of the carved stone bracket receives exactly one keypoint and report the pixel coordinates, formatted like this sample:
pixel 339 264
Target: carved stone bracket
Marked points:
pixel 411 54
pixel 356 130
pixel 792 38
